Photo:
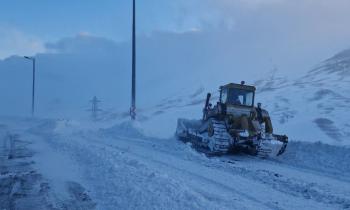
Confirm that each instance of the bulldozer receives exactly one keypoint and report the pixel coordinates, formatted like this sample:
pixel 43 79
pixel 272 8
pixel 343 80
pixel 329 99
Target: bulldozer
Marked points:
pixel 233 124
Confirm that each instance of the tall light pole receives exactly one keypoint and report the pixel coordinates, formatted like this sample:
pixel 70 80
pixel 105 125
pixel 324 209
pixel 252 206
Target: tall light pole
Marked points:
pixel 33 87
pixel 133 80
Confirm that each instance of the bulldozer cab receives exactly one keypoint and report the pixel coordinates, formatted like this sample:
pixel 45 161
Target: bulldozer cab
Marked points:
pixel 237 94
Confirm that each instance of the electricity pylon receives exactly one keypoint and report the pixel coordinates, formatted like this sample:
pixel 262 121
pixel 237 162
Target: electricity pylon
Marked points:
pixel 94 108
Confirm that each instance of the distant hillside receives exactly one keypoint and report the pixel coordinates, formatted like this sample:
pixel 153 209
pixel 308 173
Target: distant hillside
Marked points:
pixel 314 107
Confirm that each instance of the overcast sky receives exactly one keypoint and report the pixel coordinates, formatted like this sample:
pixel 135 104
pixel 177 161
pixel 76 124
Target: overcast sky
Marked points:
pixel 305 31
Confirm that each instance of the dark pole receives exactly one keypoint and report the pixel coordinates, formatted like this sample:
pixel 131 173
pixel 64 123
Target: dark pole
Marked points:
pixel 33 88
pixel 133 80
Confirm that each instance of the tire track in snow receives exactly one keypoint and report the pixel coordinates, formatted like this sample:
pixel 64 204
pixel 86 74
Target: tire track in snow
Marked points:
pixel 195 175
pixel 318 189
pixel 293 186
pixel 117 180
pixel 234 189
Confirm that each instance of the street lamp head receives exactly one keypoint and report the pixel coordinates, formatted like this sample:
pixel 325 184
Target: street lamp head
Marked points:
pixel 30 58
pixel 33 88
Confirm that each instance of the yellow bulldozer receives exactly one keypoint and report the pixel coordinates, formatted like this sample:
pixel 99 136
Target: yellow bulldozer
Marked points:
pixel 233 124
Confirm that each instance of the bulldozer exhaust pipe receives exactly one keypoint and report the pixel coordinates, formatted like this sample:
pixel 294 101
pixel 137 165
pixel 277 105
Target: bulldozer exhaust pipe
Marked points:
pixel 205 110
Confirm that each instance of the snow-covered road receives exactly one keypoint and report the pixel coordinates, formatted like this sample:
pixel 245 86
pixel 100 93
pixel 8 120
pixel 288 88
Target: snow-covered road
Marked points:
pixel 119 168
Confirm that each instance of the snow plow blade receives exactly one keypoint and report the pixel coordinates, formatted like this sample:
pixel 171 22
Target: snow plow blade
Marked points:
pixel 273 147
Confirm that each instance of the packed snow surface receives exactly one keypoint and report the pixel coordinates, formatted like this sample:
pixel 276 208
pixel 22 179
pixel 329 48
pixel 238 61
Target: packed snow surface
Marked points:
pixel 66 164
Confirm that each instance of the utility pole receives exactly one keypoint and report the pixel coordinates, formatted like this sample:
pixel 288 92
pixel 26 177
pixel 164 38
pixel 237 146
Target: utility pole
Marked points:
pixel 94 107
pixel 133 80
pixel 33 85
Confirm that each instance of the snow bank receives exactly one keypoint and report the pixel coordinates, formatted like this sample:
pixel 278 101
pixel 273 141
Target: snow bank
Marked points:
pixel 318 156
pixel 127 128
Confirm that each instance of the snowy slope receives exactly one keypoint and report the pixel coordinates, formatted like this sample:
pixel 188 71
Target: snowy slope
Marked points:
pixel 314 107
pixel 92 165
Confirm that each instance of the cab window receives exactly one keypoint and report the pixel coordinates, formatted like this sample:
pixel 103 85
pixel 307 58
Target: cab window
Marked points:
pixel 240 97
pixel 224 95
